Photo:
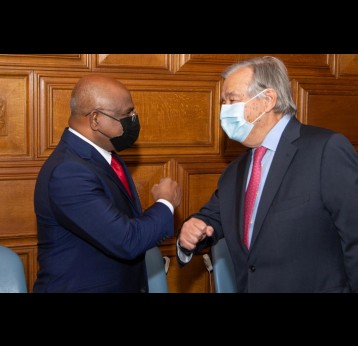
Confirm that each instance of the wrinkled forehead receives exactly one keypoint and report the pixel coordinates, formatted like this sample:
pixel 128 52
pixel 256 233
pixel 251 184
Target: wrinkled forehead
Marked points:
pixel 237 83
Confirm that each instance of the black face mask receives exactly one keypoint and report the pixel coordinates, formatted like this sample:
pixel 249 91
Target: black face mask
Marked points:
pixel 131 129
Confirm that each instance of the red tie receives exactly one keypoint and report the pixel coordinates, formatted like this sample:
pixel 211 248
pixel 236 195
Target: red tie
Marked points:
pixel 121 175
pixel 251 191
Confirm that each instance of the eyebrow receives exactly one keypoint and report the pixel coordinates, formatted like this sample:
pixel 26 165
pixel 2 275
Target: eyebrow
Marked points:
pixel 232 95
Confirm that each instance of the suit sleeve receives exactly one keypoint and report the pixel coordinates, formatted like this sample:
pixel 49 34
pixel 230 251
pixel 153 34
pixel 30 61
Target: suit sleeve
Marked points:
pixel 93 210
pixel 340 196
pixel 210 214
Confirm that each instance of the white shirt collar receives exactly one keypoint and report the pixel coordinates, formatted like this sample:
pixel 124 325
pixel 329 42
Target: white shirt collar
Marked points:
pixel 106 154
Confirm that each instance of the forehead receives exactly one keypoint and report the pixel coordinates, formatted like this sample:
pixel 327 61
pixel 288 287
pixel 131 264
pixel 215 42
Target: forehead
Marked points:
pixel 237 83
pixel 115 99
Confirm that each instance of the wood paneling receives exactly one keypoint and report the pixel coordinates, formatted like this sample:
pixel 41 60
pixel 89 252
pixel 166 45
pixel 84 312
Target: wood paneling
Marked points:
pixel 53 94
pixel 46 61
pixel 15 116
pixel 311 65
pixel 331 105
pixel 140 63
pixel 192 278
pixel 28 256
pixel 145 175
pixel 204 63
pixel 198 180
pixel 347 65
pixel 178 100
pixel 297 64
pixel 17 212
pixel 177 117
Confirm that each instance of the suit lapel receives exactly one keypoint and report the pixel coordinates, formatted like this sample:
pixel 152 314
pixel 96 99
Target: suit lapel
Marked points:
pixel 284 155
pixel 90 154
pixel 232 207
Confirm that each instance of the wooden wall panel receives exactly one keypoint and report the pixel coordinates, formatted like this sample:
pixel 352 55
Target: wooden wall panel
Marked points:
pixel 145 175
pixel 179 118
pixel 347 65
pixel 324 112
pixel 319 65
pixel 17 217
pixel 46 61
pixel 332 106
pixel 163 108
pixel 28 256
pixel 193 278
pixel 198 180
pixel 15 116
pixel 313 65
pixel 145 63
pixel 203 63
pixel 53 94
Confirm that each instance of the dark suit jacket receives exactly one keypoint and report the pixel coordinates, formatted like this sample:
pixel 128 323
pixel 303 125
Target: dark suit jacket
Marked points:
pixel 91 236
pixel 305 236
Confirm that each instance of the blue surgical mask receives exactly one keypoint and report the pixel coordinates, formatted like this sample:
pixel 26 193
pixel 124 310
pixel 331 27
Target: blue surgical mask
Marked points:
pixel 233 120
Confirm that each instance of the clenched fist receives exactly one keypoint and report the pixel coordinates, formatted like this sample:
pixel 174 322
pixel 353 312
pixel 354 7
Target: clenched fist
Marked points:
pixel 193 231
pixel 167 189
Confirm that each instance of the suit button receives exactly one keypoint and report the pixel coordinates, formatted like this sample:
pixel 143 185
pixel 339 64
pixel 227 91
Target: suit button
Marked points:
pixel 252 268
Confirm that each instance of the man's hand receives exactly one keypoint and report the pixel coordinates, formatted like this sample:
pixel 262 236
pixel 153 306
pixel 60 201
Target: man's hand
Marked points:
pixel 167 189
pixel 193 231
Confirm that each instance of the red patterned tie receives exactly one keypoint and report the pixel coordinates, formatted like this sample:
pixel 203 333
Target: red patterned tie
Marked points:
pixel 121 175
pixel 251 191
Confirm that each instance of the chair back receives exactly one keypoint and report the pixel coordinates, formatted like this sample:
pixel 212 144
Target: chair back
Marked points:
pixel 12 274
pixel 157 276
pixel 223 268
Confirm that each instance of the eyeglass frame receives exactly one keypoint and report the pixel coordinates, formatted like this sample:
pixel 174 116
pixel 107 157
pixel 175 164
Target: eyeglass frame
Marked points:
pixel 133 114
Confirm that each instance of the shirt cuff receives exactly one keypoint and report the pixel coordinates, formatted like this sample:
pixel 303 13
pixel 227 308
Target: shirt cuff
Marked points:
pixel 182 256
pixel 167 203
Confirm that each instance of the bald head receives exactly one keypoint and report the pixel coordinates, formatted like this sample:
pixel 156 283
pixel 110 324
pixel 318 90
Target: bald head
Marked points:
pixel 95 91
pixel 93 96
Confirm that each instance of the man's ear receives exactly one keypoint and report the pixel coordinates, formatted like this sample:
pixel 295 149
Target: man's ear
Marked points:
pixel 93 118
pixel 270 99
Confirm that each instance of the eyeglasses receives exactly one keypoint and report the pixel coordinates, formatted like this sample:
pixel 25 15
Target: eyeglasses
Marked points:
pixel 133 114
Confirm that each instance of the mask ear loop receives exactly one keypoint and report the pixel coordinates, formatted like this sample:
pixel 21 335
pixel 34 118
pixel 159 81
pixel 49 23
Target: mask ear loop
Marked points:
pixel 256 96
pixel 261 113
pixel 258 118
pixel 90 120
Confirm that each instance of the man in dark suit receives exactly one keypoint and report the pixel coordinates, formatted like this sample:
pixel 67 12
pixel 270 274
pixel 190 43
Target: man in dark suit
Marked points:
pixel 92 232
pixel 302 233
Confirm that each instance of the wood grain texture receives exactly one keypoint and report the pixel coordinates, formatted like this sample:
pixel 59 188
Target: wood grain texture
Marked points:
pixel 178 100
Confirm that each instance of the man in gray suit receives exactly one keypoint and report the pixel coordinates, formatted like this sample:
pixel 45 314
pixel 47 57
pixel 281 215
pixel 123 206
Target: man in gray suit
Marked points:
pixel 302 233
